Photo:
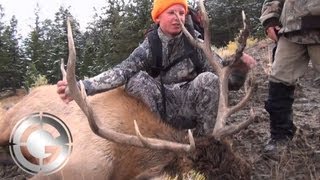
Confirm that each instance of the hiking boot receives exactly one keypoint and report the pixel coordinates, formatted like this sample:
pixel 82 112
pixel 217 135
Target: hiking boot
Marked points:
pixel 274 148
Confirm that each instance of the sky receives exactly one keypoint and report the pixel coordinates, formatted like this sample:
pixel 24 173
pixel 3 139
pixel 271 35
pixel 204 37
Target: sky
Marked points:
pixel 82 10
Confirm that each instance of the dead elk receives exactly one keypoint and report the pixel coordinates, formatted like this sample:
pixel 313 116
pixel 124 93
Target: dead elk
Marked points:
pixel 96 158
pixel 129 151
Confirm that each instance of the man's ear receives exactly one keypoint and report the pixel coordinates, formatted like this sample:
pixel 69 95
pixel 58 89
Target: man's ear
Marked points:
pixel 157 20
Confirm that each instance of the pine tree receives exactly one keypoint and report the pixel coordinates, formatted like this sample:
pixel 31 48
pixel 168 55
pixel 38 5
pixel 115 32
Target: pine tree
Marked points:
pixel 10 56
pixel 56 41
pixel 226 19
pixel 112 36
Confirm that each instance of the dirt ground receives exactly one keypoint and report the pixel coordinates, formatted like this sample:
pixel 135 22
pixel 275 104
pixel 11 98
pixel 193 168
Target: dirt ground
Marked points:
pixel 301 160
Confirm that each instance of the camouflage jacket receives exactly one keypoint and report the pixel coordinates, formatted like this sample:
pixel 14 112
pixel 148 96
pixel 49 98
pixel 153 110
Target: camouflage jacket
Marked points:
pixel 140 60
pixel 296 17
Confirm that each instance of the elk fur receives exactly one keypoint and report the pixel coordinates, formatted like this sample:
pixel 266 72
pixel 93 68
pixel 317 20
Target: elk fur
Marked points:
pixel 96 158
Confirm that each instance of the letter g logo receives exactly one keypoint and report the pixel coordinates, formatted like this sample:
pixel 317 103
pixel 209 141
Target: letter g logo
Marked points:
pixel 46 138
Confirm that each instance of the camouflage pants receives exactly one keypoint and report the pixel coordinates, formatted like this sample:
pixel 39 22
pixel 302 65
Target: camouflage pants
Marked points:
pixel 188 105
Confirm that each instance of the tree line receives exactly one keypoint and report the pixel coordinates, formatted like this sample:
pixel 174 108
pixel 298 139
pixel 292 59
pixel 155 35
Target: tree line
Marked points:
pixel 108 39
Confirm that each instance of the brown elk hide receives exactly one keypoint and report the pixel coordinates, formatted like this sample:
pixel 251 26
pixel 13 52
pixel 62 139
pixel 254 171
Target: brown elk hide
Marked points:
pixel 92 156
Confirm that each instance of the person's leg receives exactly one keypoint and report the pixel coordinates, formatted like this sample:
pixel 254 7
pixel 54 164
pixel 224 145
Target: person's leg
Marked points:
pixel 206 92
pixel 188 105
pixel 147 89
pixel 196 100
pixel 291 61
pixel 279 106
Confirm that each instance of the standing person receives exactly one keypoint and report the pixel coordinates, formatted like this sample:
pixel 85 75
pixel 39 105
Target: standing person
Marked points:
pixel 184 91
pixel 295 26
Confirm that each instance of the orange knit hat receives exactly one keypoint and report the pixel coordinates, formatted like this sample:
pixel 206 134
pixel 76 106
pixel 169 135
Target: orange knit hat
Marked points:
pixel 161 5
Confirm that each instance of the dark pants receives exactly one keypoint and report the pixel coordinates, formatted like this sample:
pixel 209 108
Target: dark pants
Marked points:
pixel 279 106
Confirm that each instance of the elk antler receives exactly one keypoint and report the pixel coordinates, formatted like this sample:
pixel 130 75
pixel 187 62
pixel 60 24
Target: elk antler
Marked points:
pixel 96 125
pixel 224 111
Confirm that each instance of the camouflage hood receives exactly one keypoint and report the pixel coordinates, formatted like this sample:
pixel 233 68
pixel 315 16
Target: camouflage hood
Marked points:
pixel 293 15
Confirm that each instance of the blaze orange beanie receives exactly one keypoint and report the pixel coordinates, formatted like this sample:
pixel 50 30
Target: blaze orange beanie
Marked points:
pixel 161 5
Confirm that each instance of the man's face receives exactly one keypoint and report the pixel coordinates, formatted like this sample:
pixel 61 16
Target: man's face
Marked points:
pixel 168 21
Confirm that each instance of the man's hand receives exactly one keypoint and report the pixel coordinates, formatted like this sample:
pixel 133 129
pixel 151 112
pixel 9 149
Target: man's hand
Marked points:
pixel 61 90
pixel 248 60
pixel 239 71
pixel 272 32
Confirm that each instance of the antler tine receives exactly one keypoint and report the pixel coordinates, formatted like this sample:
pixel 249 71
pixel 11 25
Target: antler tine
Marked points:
pixel 205 21
pixel 95 123
pixel 250 87
pixel 205 45
pixel 72 83
pixel 224 131
pixel 152 144
pixel 194 41
pixel 242 39
pixel 235 128
pixel 63 71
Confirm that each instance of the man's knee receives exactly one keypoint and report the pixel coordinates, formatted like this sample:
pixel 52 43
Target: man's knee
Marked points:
pixel 144 87
pixel 206 93
pixel 206 79
pixel 139 77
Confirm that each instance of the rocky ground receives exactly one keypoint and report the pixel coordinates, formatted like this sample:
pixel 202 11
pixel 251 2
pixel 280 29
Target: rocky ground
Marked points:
pixel 301 160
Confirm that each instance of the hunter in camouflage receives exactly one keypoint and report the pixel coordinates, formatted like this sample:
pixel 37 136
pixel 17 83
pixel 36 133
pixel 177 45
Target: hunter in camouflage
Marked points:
pixel 295 26
pixel 191 98
pixel 299 20
pixel 188 98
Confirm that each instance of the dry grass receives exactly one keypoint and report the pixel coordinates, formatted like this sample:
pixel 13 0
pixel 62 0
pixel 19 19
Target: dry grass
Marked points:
pixel 39 81
pixel 192 175
pixel 231 47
